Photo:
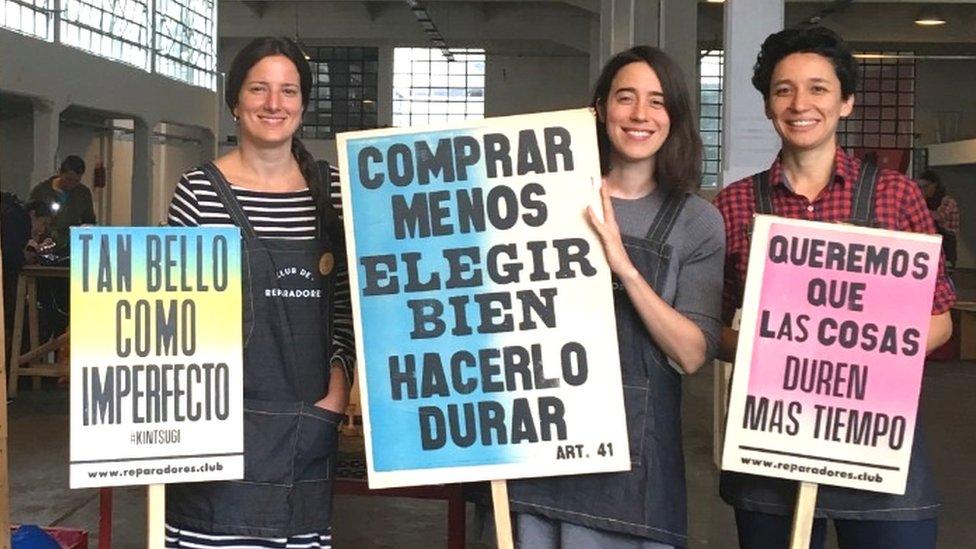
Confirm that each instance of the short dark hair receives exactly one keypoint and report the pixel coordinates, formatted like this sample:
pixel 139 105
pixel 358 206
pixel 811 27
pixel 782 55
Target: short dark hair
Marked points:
pixel 930 175
pixel 39 208
pixel 255 51
pixel 73 163
pixel 678 162
pixel 815 39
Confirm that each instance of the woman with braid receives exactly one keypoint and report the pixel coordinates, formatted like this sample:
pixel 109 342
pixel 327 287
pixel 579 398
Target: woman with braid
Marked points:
pixel 298 343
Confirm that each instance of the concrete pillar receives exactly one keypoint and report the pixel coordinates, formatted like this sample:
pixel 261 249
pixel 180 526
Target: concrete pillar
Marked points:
pixel 679 37
pixel 142 171
pixel 624 24
pixel 47 133
pixel 670 25
pixel 749 142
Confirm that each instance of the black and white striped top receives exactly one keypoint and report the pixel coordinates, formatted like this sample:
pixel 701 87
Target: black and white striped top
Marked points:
pixel 287 215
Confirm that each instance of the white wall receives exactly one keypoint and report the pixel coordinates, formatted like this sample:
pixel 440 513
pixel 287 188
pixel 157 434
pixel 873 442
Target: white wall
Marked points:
pixel 68 76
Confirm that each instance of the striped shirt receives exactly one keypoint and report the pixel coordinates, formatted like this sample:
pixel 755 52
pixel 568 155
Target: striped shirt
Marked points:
pixel 285 215
pixel 178 538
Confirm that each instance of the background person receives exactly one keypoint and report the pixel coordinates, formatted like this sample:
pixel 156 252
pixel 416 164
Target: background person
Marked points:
pixel 945 213
pixel 70 201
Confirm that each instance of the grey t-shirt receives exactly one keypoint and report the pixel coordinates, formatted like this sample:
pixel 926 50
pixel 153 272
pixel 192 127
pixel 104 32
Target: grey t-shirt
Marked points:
pixel 693 285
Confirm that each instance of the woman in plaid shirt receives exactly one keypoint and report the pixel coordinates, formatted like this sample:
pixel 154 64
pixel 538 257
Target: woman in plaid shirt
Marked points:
pixel 807 78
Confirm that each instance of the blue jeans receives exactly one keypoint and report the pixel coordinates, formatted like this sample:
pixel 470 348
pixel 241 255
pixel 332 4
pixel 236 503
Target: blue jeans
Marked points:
pixel 537 532
pixel 766 531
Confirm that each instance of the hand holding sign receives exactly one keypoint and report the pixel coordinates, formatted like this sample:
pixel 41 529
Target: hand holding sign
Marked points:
pixel 609 233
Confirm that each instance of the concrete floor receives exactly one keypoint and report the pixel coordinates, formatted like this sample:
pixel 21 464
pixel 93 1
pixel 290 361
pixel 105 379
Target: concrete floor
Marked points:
pixel 39 474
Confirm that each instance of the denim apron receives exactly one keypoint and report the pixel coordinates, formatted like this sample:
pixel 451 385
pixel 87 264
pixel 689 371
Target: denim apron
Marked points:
pixel 778 496
pixel 649 500
pixel 289 443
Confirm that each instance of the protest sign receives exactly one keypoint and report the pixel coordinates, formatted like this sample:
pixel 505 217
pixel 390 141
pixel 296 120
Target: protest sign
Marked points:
pixel 156 355
pixel 482 301
pixel 830 355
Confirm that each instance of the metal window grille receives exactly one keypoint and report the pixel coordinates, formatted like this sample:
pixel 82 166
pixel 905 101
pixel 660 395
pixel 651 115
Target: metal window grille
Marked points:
pixel 30 17
pixel 184 41
pixel 710 115
pixel 884 104
pixel 116 29
pixel 427 89
pixel 175 40
pixel 344 91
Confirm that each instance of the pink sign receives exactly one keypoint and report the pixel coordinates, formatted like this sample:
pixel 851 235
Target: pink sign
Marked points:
pixel 830 354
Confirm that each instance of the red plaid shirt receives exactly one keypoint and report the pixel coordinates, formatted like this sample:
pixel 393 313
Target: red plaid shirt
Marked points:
pixel 947 215
pixel 898 204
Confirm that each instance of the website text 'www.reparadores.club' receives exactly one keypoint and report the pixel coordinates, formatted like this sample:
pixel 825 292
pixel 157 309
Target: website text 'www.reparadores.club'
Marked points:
pixel 823 470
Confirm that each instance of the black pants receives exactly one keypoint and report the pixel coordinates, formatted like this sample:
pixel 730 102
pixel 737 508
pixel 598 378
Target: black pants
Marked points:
pixel 765 531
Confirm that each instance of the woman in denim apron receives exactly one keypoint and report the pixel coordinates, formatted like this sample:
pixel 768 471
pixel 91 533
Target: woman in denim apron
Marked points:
pixel 293 399
pixel 654 230
pixel 807 78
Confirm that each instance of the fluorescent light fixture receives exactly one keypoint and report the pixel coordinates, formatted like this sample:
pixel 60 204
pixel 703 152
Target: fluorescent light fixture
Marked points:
pixel 930 17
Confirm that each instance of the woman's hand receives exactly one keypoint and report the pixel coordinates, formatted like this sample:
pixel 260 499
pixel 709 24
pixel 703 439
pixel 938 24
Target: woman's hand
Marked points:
pixel 609 233
pixel 338 397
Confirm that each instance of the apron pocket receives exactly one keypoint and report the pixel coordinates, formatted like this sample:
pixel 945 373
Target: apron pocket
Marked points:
pixel 635 405
pixel 270 435
pixel 318 440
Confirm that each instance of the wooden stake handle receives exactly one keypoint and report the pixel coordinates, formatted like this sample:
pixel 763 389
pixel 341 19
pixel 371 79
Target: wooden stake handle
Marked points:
pixel 4 473
pixel 503 517
pixel 156 517
pixel 806 504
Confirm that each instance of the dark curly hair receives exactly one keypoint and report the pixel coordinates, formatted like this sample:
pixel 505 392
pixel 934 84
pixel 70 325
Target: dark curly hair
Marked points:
pixel 678 162
pixel 816 39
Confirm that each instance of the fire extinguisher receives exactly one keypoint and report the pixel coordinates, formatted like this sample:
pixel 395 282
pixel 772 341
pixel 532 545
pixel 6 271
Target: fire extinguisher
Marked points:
pixel 99 178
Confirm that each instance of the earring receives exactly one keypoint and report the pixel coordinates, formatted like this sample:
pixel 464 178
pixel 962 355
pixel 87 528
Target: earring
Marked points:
pixel 236 119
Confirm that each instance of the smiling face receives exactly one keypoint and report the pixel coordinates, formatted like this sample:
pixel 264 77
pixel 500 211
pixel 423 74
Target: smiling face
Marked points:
pixel 805 102
pixel 269 106
pixel 636 121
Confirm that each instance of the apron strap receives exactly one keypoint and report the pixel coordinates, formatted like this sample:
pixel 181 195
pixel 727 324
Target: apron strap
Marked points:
pixel 665 219
pixel 762 193
pixel 226 196
pixel 862 205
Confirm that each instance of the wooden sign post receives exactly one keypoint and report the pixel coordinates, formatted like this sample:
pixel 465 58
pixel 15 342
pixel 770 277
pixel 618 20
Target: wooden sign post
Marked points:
pixel 4 476
pixel 156 516
pixel 503 516
pixel 806 504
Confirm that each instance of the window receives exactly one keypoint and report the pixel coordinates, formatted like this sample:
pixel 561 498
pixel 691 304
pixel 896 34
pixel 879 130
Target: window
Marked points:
pixel 184 41
pixel 118 30
pixel 884 104
pixel 175 40
pixel 31 17
pixel 344 91
pixel 428 89
pixel 710 115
